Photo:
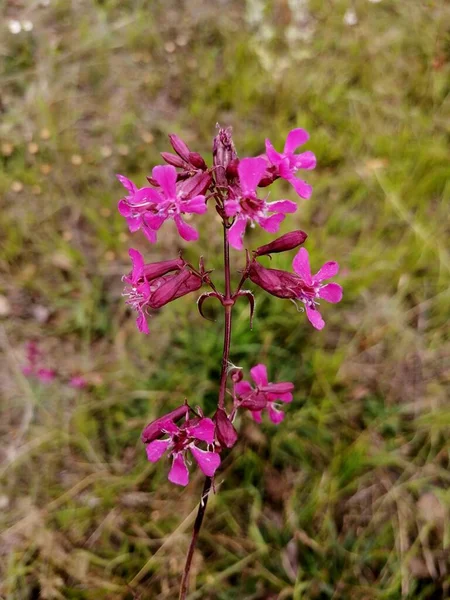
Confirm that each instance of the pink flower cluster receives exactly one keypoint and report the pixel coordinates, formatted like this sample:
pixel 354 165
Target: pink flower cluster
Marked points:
pixel 35 368
pixel 206 438
pixel 187 186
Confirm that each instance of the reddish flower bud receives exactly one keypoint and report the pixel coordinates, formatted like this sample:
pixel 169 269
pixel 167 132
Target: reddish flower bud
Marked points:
pixel 173 287
pixel 157 427
pixel 237 375
pixel 157 269
pixel 225 432
pixel 197 161
pixel 224 153
pixel 195 185
pixel 278 283
pixel 286 242
pixel 191 284
pixel 179 146
pixel 254 402
pixel 232 169
pixel 174 160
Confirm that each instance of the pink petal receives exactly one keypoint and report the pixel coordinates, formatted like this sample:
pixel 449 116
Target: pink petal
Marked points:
pixel 303 189
pixel 315 318
pixel 179 473
pixel 141 323
pixel 250 172
pixel 156 449
pixel 149 233
pixel 295 138
pixel 300 264
pixel 259 375
pixel 276 416
pixel 208 462
pixel 329 269
pixel 272 224
pixel 127 183
pixel 146 194
pixel 203 430
pixel 243 388
pixel 282 206
pixel 154 221
pixel 166 176
pixel 124 208
pixel 195 205
pixel 134 224
pixel 274 156
pixel 138 264
pixel 285 397
pixel 331 292
pixel 232 207
pixel 187 232
pixel 306 160
pixel 236 233
pixel 256 414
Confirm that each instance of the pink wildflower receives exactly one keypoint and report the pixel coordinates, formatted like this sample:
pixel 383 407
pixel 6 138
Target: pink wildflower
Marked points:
pixel 46 375
pixel 181 439
pixel 151 286
pixel 300 285
pixel 312 287
pixel 78 382
pixel 287 163
pixel 147 208
pixel 245 206
pixel 264 395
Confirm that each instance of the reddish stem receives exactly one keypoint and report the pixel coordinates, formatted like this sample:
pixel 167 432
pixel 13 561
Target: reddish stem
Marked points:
pixel 227 302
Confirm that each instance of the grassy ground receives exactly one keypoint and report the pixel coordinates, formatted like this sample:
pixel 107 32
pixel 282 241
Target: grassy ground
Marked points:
pixel 349 497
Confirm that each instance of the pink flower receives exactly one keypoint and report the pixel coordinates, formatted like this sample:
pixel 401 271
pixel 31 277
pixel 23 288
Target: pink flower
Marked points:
pixel 264 395
pixel 287 163
pixel 300 285
pixel 181 439
pixel 46 375
pixel 246 207
pixel 151 286
pixel 78 382
pixel 33 367
pixel 148 208
pixel 139 210
pixel 312 287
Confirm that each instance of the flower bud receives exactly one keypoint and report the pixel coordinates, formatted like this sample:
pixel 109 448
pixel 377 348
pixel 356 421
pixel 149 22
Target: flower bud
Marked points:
pixel 197 161
pixel 225 431
pixel 179 146
pixel 156 269
pixel 278 283
pixel 173 287
pixel 173 160
pixel 224 153
pixel 286 242
pixel 195 185
pixel 157 427
pixel 237 374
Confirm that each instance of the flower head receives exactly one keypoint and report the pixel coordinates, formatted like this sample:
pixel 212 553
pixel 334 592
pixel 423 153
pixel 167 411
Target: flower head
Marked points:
pixel 245 206
pixel 148 208
pixel 264 395
pixel 301 285
pixel 285 164
pixel 313 288
pixel 153 285
pixel 179 440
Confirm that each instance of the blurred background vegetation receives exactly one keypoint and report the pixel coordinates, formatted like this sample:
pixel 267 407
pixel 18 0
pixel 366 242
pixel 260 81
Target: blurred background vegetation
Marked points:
pixel 349 497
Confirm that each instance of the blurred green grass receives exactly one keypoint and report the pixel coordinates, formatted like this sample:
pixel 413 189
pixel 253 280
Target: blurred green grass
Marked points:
pixel 348 498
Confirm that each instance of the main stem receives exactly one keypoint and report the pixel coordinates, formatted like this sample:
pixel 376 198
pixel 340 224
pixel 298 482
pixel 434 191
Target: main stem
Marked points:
pixel 227 302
